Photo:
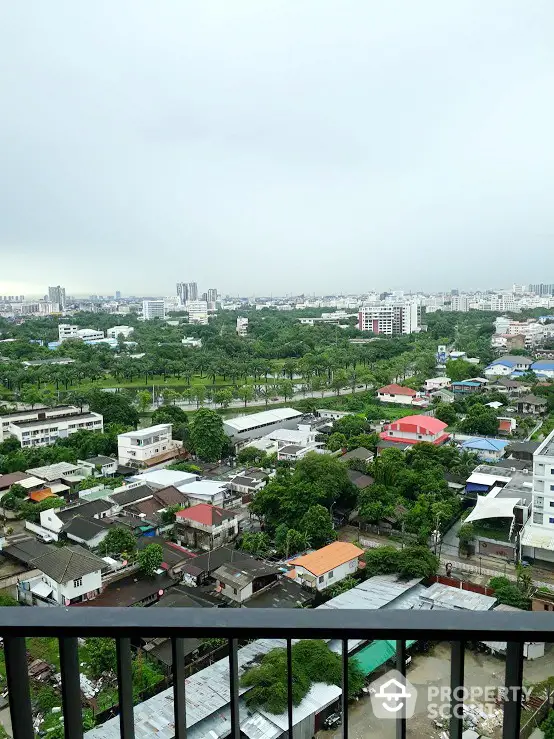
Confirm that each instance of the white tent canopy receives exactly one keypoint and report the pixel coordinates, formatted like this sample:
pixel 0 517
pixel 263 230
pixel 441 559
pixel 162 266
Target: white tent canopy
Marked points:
pixel 492 507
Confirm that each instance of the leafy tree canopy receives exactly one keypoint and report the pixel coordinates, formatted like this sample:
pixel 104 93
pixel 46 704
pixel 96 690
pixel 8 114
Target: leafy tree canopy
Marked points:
pixel 312 661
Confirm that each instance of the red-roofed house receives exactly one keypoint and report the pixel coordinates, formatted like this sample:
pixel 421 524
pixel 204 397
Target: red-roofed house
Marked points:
pixel 205 526
pixel 400 394
pixel 415 429
pixel 506 425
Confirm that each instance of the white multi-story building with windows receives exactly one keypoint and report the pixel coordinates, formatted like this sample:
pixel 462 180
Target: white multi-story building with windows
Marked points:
pixel 242 326
pixel 45 430
pixel 537 538
pixel 116 331
pixel 198 311
pixel 390 317
pixel 153 309
pixel 148 446
pixel 58 422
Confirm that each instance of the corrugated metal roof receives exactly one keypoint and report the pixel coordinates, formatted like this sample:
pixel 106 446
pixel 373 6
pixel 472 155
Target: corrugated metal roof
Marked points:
pixel 243 423
pixel 377 592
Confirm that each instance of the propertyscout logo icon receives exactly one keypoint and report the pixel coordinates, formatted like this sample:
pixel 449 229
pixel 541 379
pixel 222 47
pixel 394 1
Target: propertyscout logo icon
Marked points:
pixel 393 696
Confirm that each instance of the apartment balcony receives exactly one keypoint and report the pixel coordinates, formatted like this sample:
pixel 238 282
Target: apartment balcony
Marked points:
pixel 126 624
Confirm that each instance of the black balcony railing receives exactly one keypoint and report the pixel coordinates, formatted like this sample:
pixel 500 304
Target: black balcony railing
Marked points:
pixel 124 624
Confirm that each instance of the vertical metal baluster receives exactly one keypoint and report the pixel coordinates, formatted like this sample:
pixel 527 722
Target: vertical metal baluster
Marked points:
pixel 179 700
pixel 19 693
pixel 513 680
pixel 401 668
pixel 345 688
pixel 457 655
pixel 234 688
pixel 125 688
pixel 289 687
pixel 71 687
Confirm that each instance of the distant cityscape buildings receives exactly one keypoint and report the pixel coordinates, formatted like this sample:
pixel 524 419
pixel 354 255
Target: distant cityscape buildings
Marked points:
pixel 57 295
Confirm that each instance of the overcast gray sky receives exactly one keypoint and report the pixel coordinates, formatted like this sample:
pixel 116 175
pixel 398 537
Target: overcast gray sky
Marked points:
pixel 277 146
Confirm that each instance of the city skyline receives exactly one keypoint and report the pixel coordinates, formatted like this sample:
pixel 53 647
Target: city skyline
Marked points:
pixel 379 146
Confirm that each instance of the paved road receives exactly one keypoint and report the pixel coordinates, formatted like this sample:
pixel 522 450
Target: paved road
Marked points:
pixel 186 405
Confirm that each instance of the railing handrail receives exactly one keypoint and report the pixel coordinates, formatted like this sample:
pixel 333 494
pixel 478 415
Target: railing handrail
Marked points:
pixel 246 623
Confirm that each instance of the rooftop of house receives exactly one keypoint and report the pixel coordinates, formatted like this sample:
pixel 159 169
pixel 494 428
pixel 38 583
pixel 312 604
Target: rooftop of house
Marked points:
pixel 244 423
pixel 533 400
pixel 132 495
pixel 12 478
pixel 100 460
pixel 241 574
pixel 291 449
pixel 206 514
pixel 424 424
pixel 359 453
pixel 145 433
pixel 486 445
pixel 283 594
pixel 522 446
pixel 130 590
pixel 510 360
pixel 164 478
pixel 328 557
pixel 396 390
pixel 84 510
pixel 85 528
pixel 64 564
pixel 360 480
pixel 73 417
pixel 210 561
pixel 174 555
pixel 54 471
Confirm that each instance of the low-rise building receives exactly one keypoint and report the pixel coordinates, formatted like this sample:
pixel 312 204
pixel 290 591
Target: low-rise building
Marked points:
pixel 396 394
pixel 240 581
pixel 191 342
pixel 543 368
pixel 205 526
pixel 466 387
pixel 436 383
pixel 213 492
pixel 532 405
pixel 361 453
pixel 256 425
pixel 147 447
pixel 328 565
pixel 100 466
pixel 488 450
pixel 415 429
pixel 507 365
pixel 443 396
pixel 40 413
pixel 46 431
pixel 116 331
pixel 248 483
pixel 70 575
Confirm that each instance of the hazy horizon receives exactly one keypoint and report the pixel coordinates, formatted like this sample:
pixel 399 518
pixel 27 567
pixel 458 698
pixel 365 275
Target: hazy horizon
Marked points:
pixel 277 147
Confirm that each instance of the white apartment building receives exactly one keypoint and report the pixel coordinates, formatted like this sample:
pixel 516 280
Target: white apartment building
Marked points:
pixel 148 446
pixel 390 318
pixel 198 312
pixel 153 309
pixel 460 303
pixel 192 342
pixel 90 334
pixel 537 538
pixel 45 431
pixel 116 331
pixel 242 326
pixel 67 331
pixel 40 413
